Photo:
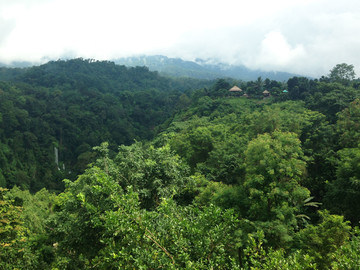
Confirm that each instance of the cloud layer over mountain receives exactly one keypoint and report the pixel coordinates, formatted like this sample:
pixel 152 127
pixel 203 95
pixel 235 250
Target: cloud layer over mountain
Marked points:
pixel 307 37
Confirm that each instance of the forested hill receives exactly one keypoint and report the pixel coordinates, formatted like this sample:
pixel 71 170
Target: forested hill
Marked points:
pixel 104 76
pixel 72 106
pixel 263 177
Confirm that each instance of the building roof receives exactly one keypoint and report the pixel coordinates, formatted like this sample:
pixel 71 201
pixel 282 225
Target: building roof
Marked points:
pixel 235 89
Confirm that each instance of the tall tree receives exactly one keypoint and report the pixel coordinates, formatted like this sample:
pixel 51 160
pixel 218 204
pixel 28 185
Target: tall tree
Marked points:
pixel 343 196
pixel 342 73
pixel 348 125
pixel 275 165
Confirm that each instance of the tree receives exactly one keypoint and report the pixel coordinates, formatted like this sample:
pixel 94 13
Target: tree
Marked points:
pixel 342 73
pixel 331 98
pixel 299 87
pixel 194 145
pixel 259 257
pixel 324 239
pixel 255 88
pixel 348 257
pixel 170 237
pixel 343 196
pixel 98 225
pixel 154 173
pixel 225 161
pixel 35 210
pixel 275 165
pixel 77 226
pixel 348 125
pixel 14 248
pixel 221 84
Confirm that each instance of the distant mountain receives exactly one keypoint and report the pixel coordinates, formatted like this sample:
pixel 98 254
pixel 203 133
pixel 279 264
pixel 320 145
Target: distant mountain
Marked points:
pixel 13 70
pixel 201 69
pixel 176 67
pixel 18 64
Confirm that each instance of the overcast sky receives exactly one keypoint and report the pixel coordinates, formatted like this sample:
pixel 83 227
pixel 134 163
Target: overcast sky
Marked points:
pixel 302 36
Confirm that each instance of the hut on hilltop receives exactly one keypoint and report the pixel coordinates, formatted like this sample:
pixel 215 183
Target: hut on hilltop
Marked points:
pixel 236 91
pixel 266 94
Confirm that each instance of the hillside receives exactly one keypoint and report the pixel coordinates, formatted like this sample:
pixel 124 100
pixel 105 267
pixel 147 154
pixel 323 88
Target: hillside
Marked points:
pixel 114 167
pixel 72 106
pixel 201 69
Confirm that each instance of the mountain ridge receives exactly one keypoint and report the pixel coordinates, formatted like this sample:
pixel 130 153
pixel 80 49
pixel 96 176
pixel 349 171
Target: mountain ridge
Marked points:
pixel 208 69
pixel 200 68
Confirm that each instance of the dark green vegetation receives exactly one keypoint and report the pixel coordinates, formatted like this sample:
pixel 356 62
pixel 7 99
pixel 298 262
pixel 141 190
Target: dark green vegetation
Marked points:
pixel 159 175
pixel 69 107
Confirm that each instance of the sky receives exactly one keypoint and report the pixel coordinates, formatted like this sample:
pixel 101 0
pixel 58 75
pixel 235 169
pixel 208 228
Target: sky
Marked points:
pixel 307 37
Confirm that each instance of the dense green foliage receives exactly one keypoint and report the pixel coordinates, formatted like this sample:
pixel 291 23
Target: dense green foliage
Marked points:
pixel 159 177
pixel 70 106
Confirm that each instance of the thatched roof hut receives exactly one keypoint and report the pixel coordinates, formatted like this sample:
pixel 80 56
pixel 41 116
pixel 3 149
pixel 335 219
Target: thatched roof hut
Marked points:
pixel 266 93
pixel 235 89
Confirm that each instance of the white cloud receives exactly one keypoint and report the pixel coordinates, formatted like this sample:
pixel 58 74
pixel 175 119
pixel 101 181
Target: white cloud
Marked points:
pixel 275 53
pixel 303 36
